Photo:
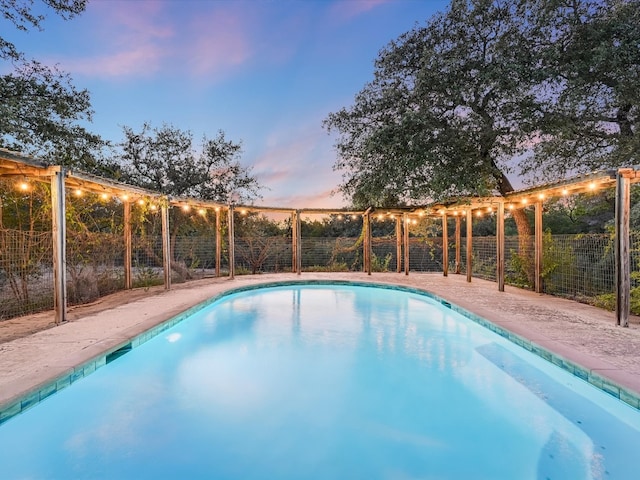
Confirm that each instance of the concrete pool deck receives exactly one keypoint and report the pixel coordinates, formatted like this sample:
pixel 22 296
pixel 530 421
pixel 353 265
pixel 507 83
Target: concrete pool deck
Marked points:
pixel 582 334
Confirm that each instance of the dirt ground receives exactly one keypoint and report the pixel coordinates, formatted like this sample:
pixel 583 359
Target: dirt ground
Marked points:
pixel 26 325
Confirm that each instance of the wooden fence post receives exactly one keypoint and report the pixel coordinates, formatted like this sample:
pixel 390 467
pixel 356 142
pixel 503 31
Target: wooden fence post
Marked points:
pixel 500 247
pixel 128 245
pixel 458 242
pixel 622 247
pixel 445 246
pixel 59 234
pixel 538 247
pixel 232 243
pixel 166 247
pixel 469 240
pixel 218 241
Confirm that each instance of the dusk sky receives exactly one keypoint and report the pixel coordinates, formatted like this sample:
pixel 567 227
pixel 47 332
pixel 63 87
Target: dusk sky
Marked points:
pixel 267 73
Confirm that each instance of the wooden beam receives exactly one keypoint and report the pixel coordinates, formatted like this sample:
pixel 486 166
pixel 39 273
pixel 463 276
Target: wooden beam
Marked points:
pixel 500 247
pixel 298 243
pixel 128 246
pixel 218 242
pixel 294 241
pixel 623 248
pixel 59 234
pixel 458 242
pixel 232 243
pixel 445 246
pixel 166 246
pixel 366 242
pixel 538 247
pixel 398 244
pixel 469 245
pixel 405 226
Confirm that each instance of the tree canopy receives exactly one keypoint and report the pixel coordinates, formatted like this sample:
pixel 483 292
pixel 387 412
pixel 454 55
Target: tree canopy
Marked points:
pixel 41 111
pixel 165 160
pixel 489 88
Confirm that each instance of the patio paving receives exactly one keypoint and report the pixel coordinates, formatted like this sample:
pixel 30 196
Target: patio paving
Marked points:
pixel 33 352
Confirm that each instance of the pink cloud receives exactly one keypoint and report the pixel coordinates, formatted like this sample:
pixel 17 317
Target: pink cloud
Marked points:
pixel 347 10
pixel 217 41
pixel 133 38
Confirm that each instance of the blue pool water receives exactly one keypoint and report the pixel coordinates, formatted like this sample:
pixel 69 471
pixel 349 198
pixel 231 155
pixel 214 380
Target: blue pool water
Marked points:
pixel 325 382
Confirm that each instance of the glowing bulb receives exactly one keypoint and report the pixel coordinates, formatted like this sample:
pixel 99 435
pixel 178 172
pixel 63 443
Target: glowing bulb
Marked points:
pixel 153 207
pixel 592 186
pixel 24 186
pixel 78 192
pixel 478 213
pixel 511 207
pixel 141 202
pixel 565 192
pixel 541 196
pixel 243 212
pixel 202 211
pixel 455 213
pixel 441 211
pixel 524 201
pixel 339 217
pixel 380 216
pixel 104 196
pixel 354 217
pixel 414 221
pixel 421 214
pixel 186 208
pixel 125 197
pixel 489 209
pixel 217 209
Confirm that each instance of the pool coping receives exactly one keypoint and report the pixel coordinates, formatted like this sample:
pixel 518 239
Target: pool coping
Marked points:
pixel 39 393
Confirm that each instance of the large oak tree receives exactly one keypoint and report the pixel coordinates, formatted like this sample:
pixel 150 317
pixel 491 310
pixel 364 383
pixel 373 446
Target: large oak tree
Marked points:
pixel 489 88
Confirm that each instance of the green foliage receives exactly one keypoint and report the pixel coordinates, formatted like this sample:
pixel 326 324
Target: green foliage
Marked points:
pixel 449 104
pixel 380 264
pixel 454 102
pixel 41 111
pixel 332 267
pixel 165 160
pixel 146 277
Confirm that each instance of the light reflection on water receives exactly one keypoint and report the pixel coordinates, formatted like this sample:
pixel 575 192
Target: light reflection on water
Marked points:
pixel 324 382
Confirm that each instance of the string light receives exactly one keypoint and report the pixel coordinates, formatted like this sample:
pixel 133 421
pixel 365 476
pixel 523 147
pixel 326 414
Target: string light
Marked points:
pixel 565 192
pixel 153 207
pixel 141 202
pixel 479 213
pixel 202 212
pixel 524 201
pixel 217 209
pixel 541 196
pixel 340 217
pixel 125 197
pixel 24 186
pixel 414 222
pixel 489 209
pixel 455 213
pixel 592 186
pixel 243 212
pixel 78 192
pixel 354 217
pixel 380 216
pixel 186 208
pixel 104 196
pixel 512 206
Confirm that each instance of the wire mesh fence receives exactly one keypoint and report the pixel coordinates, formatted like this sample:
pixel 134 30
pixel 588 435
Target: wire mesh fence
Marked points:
pixel 26 272
pixel 575 266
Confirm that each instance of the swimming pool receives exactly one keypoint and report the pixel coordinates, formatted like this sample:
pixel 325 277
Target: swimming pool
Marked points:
pixel 318 381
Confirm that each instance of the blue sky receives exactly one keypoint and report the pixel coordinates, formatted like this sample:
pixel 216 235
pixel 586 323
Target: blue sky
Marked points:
pixel 265 72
